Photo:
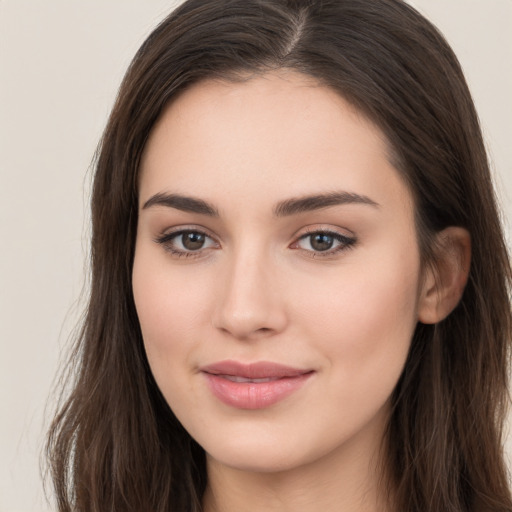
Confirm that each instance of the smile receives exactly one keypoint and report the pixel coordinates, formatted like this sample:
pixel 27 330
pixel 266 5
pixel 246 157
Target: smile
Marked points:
pixel 253 386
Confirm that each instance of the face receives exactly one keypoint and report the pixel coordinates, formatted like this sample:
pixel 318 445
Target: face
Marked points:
pixel 277 273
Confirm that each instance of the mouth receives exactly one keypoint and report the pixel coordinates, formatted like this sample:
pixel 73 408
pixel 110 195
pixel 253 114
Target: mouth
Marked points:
pixel 253 386
pixel 235 378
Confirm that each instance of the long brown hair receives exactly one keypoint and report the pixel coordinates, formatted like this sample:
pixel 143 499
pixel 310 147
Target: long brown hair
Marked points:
pixel 115 445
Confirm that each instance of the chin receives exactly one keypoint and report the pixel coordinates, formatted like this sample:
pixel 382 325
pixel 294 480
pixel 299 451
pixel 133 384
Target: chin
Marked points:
pixel 258 459
pixel 265 445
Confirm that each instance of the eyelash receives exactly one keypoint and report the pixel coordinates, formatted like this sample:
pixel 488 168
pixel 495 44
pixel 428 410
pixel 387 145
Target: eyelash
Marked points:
pixel 167 242
pixel 345 243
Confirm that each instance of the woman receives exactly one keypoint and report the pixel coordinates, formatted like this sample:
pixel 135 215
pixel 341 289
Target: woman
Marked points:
pixel 300 289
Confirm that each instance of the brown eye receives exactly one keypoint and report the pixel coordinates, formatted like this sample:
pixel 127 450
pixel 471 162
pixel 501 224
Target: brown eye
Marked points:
pixel 192 240
pixel 321 241
pixel 186 243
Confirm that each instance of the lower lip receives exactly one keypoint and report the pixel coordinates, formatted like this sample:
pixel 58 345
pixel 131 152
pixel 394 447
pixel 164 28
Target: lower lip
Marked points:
pixel 254 395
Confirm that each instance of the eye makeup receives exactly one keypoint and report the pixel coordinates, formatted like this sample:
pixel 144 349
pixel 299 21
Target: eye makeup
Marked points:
pixel 187 242
pixel 191 242
pixel 322 243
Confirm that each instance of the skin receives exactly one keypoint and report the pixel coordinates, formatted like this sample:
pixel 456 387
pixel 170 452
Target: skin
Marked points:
pixel 257 290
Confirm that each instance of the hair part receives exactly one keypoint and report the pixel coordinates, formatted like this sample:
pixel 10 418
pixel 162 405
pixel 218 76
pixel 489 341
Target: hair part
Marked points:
pixel 115 443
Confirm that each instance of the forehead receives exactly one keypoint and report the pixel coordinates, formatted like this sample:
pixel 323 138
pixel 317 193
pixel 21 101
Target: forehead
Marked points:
pixel 274 135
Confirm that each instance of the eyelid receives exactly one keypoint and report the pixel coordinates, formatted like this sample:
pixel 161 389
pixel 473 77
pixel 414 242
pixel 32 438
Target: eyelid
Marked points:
pixel 325 228
pixel 166 238
pixel 347 241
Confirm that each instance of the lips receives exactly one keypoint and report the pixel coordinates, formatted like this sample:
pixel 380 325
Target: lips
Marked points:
pixel 253 386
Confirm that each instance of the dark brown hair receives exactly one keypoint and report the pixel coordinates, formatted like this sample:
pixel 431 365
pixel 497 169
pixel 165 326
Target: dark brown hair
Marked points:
pixel 115 445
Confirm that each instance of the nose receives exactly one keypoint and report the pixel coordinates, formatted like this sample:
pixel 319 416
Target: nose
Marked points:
pixel 250 303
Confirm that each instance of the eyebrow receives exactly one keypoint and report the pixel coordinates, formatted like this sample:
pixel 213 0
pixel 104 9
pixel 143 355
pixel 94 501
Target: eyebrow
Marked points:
pixel 284 208
pixel 316 202
pixel 184 203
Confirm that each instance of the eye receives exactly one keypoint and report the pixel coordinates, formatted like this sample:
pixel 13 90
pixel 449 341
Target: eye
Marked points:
pixel 189 242
pixel 323 243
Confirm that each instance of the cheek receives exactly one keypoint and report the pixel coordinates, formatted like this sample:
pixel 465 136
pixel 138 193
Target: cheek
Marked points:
pixel 169 313
pixel 169 309
pixel 364 322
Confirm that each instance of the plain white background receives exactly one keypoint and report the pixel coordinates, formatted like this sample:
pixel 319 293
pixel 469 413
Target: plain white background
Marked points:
pixel 61 62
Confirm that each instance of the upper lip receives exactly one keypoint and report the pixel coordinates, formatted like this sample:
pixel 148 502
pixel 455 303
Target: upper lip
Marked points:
pixel 258 370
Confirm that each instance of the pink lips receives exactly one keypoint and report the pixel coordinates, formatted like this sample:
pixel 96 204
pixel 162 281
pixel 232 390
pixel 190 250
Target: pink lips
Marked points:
pixel 253 386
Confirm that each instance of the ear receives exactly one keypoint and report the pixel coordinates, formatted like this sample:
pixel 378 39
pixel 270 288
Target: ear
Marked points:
pixel 445 279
